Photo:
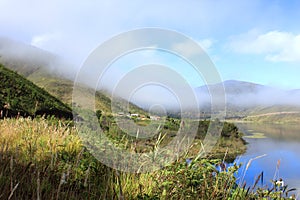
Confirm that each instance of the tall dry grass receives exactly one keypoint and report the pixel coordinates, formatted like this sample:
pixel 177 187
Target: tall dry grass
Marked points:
pixel 45 159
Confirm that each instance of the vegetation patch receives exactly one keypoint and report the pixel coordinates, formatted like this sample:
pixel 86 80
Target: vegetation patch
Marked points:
pixel 20 97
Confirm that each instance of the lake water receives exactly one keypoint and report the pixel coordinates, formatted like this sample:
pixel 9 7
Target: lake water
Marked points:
pixel 280 151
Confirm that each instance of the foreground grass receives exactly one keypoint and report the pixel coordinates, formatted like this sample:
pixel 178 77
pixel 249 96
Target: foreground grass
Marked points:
pixel 45 159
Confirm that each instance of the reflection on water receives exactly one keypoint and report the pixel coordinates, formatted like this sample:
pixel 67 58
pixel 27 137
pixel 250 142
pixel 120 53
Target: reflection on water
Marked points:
pixel 282 148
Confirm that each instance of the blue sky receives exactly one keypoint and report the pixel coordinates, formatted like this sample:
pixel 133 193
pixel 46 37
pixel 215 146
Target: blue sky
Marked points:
pixel 257 41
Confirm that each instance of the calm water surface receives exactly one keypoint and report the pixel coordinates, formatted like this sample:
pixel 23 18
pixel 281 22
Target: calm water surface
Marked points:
pixel 280 150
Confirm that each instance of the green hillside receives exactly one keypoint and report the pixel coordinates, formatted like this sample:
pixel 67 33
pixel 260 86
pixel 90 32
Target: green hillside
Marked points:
pixel 62 88
pixel 19 95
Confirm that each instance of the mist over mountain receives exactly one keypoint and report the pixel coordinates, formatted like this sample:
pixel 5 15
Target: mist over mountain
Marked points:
pixel 246 98
pixel 241 98
pixel 246 94
pixel 27 59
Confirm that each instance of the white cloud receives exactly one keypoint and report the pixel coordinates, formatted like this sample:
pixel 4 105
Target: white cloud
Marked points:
pixel 276 46
pixel 189 49
pixel 206 44
pixel 186 48
pixel 42 40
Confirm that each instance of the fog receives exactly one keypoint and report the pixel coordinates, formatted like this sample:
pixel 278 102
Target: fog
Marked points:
pixel 26 59
pixel 240 94
pixel 152 86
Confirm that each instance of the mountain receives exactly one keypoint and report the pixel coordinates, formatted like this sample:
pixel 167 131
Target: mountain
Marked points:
pixel 250 99
pixel 232 87
pixel 19 96
pixel 47 71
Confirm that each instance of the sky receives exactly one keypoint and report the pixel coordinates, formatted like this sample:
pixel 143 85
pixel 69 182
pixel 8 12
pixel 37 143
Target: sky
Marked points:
pixel 252 40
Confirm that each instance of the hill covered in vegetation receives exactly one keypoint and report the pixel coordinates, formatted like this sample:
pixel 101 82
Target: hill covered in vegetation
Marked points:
pixel 19 96
pixel 55 83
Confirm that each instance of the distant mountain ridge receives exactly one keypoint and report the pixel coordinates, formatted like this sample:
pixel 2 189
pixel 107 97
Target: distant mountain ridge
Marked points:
pixel 246 98
pixel 236 87
pixel 232 87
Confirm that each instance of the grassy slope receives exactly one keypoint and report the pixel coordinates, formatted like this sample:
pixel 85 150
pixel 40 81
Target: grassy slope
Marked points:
pixel 58 87
pixel 25 97
pixel 62 88
pixel 269 114
pixel 276 117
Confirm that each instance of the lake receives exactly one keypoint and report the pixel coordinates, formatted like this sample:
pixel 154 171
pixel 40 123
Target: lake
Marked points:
pixel 279 146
